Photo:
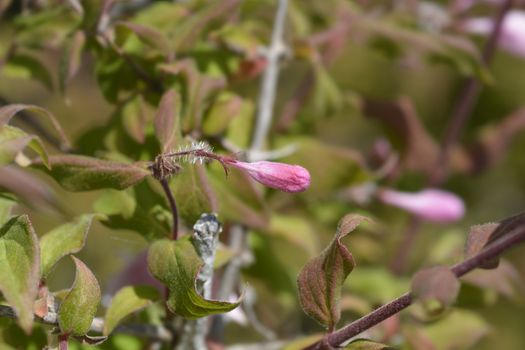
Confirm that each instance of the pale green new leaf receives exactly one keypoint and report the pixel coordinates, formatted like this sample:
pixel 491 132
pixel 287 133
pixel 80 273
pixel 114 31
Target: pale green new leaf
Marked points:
pixel 14 140
pixel 65 239
pixel 127 301
pixel 19 268
pixel 80 305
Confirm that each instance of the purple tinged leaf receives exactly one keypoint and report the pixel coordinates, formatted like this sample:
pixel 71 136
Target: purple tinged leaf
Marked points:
pixel 80 305
pixel 9 111
pixel 435 284
pixel 148 35
pixel 167 120
pixel 482 235
pixel 80 173
pixel 321 280
pixel 29 188
pixel 19 268
pixel 14 140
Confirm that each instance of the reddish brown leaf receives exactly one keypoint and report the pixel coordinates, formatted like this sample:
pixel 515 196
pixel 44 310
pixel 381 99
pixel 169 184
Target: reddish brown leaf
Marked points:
pixel 437 283
pixel 321 280
pixel 482 235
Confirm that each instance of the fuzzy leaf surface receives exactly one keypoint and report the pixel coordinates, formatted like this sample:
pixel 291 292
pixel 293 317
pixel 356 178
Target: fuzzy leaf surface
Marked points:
pixel 80 305
pixel 433 284
pixel 19 268
pixel 176 264
pixel 321 280
pixel 65 239
pixel 80 173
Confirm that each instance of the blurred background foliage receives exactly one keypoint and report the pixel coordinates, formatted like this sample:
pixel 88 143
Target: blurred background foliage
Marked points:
pixel 349 64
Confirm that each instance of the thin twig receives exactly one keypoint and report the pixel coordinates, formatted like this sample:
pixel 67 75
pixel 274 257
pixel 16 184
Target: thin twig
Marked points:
pixel 173 207
pixel 141 330
pixel 490 252
pixel 270 77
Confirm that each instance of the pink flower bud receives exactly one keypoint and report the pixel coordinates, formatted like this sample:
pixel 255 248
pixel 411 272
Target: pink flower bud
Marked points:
pixel 284 177
pixel 430 204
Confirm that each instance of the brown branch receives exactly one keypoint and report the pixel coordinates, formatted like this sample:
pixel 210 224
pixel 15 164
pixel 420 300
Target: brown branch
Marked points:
pixel 377 316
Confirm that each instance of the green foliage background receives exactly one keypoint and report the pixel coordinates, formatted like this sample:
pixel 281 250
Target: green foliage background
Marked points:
pixel 383 57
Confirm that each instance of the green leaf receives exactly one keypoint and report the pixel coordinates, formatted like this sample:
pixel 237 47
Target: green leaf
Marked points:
pixel 193 187
pixel 461 329
pixel 114 202
pixel 25 66
pixel 63 240
pixel 80 305
pixel 147 34
pixel 6 205
pixel 225 107
pixel 436 287
pixel 136 209
pixel 321 280
pixel 127 301
pixel 135 116
pixel 167 120
pixel 365 344
pixel 19 268
pixel 80 173
pixel 12 337
pixel 176 264
pixel 376 284
pixel 14 140
pixel 9 111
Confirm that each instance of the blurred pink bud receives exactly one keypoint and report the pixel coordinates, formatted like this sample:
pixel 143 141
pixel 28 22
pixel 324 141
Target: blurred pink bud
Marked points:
pixel 430 204
pixel 284 177
pixel 512 33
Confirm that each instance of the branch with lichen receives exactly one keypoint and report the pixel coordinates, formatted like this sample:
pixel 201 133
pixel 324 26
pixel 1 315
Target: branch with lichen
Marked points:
pixel 205 239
